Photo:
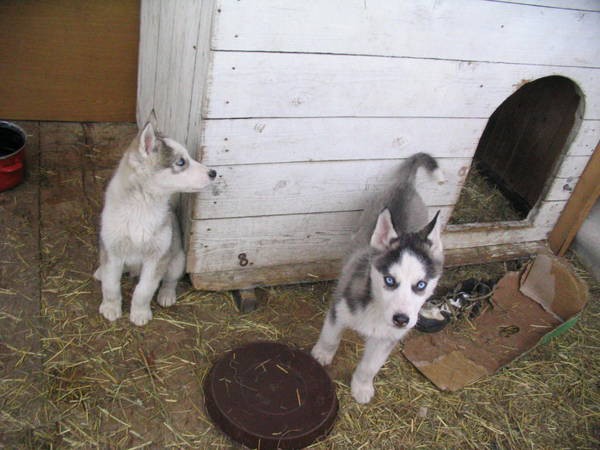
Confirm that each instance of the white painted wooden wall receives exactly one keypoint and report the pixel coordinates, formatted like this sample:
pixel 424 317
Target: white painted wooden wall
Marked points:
pixel 306 107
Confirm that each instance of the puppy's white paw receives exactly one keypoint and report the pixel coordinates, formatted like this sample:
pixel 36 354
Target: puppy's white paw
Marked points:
pixel 361 391
pixel 110 310
pixel 323 356
pixel 166 297
pixel 140 316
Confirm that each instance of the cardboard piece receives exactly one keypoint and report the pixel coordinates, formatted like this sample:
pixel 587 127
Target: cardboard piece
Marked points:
pixel 526 308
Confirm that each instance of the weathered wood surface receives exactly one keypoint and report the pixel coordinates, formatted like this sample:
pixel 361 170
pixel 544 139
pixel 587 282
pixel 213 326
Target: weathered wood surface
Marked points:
pixel 304 117
pixel 291 188
pixel 21 324
pixel 251 242
pixel 174 59
pixel 561 188
pixel 173 64
pixel 223 280
pixel 246 84
pixel 584 197
pixel 585 139
pixel 272 189
pixel 581 5
pixel 268 241
pixel 254 141
pixel 329 270
pixel 450 29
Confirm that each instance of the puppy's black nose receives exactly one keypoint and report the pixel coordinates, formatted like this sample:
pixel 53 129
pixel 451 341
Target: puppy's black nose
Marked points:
pixel 212 173
pixel 400 320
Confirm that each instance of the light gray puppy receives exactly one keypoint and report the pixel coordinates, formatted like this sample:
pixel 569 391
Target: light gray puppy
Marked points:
pixel 140 232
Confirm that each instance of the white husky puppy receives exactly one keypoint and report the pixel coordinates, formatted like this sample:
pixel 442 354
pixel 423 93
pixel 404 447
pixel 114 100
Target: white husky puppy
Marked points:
pixel 387 278
pixel 140 232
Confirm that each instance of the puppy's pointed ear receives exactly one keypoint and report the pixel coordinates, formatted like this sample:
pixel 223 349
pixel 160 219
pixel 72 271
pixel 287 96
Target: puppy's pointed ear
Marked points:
pixel 384 232
pixel 433 233
pixel 147 139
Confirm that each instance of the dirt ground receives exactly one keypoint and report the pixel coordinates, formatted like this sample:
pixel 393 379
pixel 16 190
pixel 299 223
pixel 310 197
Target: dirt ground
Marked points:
pixel 70 379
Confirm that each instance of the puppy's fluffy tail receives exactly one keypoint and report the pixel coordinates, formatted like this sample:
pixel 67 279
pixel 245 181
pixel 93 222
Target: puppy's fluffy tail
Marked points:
pixel 408 170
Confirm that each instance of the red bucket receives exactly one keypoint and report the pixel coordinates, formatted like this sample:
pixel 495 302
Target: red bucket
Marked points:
pixel 12 155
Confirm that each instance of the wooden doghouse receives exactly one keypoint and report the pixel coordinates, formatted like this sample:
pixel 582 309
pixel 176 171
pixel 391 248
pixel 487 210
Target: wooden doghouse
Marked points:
pixel 305 108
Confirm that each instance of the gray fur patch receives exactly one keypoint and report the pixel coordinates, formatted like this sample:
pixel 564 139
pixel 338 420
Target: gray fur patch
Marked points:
pixel 333 313
pixel 408 211
pixel 409 243
pixel 168 156
pixel 355 284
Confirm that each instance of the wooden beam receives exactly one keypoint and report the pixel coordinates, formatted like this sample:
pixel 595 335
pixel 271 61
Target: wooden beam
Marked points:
pixel 251 277
pixel 578 207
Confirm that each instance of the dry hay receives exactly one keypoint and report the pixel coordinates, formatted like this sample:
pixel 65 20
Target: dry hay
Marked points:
pixel 121 386
pixel 480 201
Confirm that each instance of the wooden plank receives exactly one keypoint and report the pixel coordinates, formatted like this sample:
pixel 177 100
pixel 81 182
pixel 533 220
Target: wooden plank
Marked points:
pixel 291 188
pixel 542 216
pixel 546 214
pixel 234 253
pixel 174 60
pixel 177 28
pixel 250 242
pixel 572 166
pixel 245 85
pixel 22 329
pixel 202 68
pixel 243 141
pixel 578 207
pixel 561 188
pixel 329 270
pixel 456 29
pixel 500 236
pixel 478 235
pixel 266 276
pixel 491 253
pixel 69 60
pixel 148 58
pixel 585 139
pixel 581 5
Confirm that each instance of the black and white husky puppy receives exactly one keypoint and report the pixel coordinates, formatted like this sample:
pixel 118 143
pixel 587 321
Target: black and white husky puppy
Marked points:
pixel 393 270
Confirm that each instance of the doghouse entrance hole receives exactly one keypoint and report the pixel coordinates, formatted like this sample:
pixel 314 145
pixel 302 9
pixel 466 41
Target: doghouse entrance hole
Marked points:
pixel 518 152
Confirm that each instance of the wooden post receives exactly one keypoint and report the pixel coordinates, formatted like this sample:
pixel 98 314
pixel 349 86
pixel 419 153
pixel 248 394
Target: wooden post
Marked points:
pixel 578 207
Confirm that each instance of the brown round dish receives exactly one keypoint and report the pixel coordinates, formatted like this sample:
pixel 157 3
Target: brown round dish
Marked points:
pixel 270 396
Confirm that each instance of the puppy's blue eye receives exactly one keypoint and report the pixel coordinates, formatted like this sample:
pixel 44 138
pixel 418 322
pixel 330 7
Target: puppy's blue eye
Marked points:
pixel 180 162
pixel 389 281
pixel 421 285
